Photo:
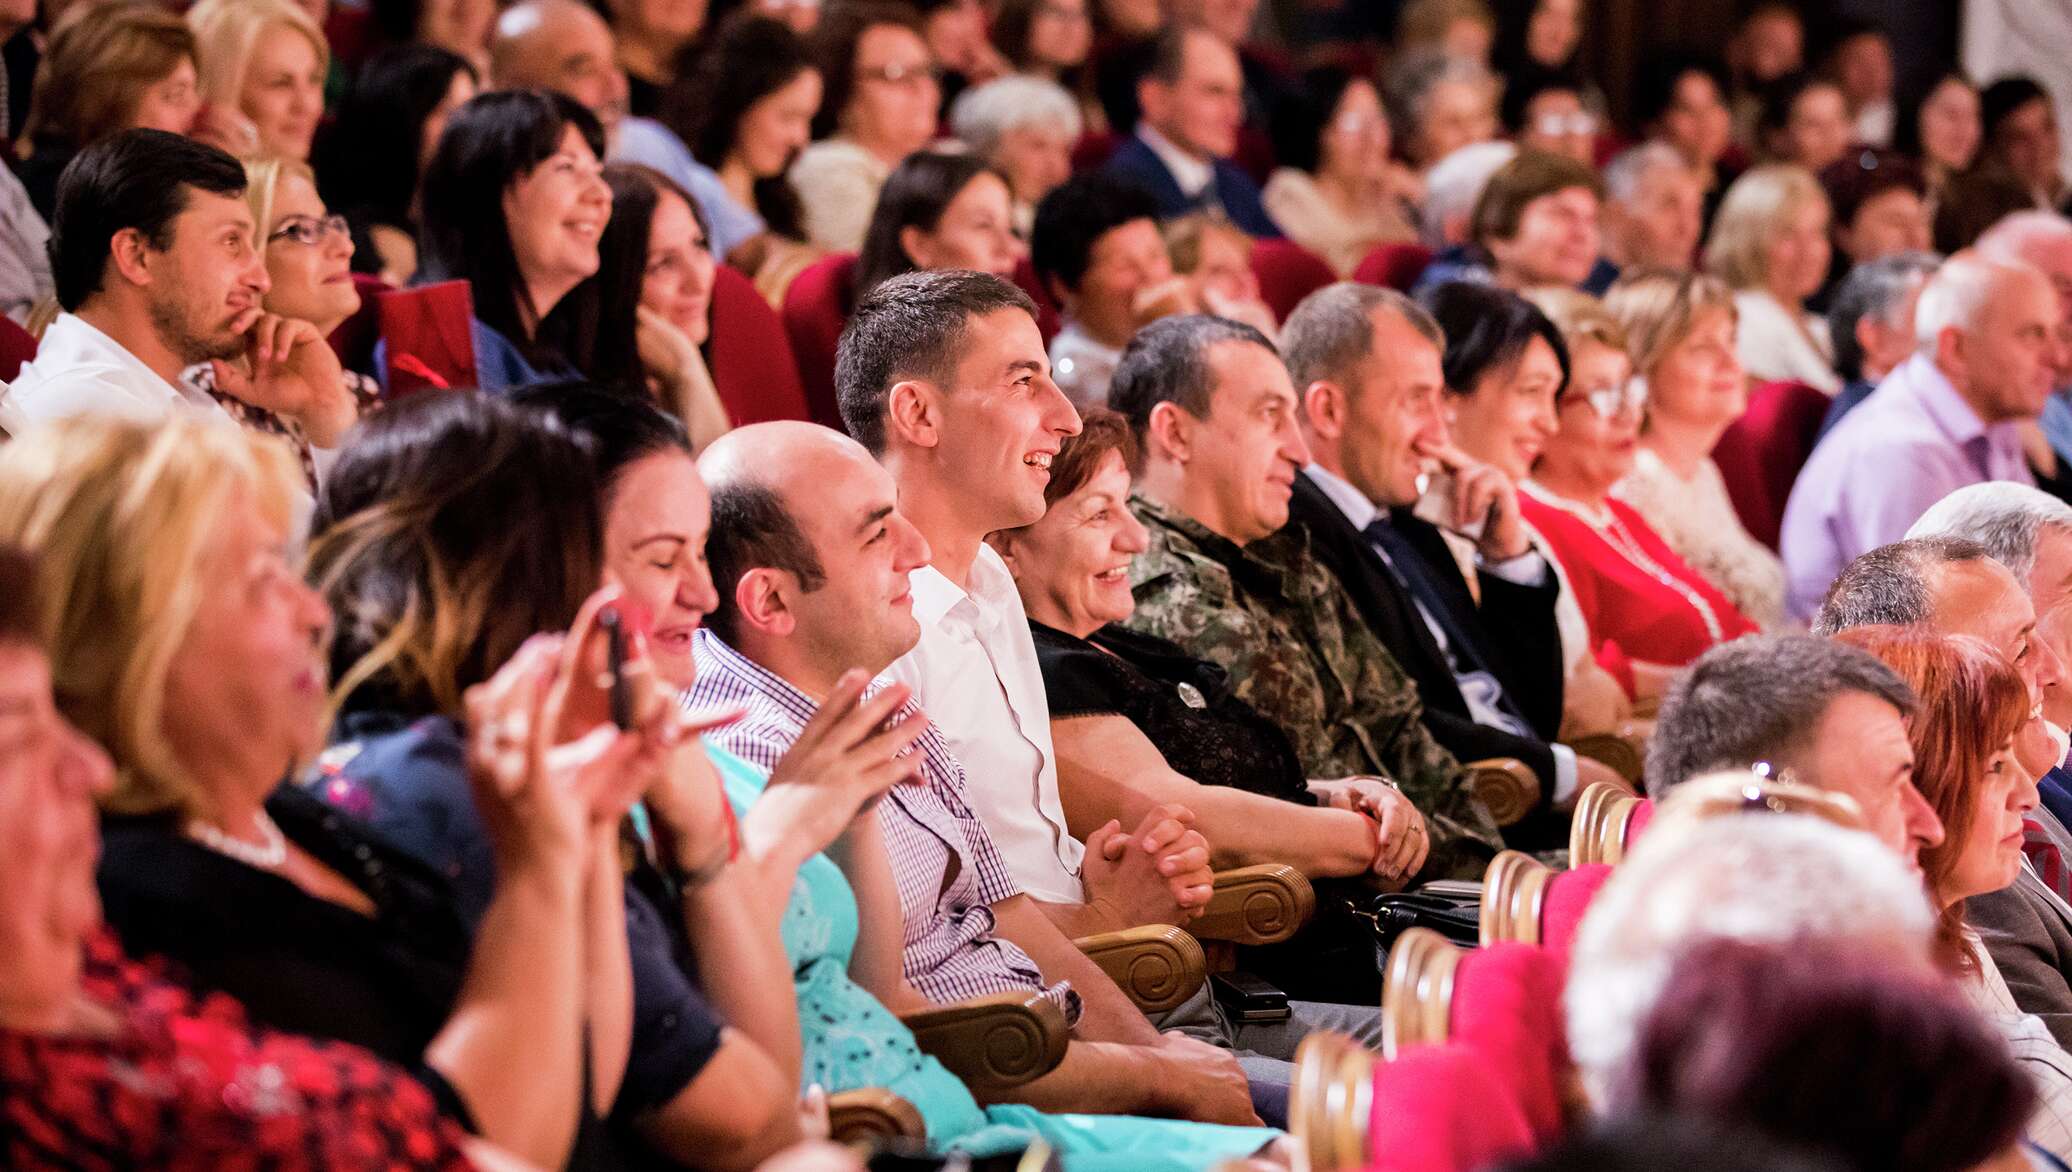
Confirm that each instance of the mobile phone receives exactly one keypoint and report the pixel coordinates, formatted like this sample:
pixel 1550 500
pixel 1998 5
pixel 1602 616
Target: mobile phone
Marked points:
pixel 615 652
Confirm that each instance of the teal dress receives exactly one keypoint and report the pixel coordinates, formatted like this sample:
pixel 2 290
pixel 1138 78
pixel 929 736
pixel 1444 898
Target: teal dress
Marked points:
pixel 852 1041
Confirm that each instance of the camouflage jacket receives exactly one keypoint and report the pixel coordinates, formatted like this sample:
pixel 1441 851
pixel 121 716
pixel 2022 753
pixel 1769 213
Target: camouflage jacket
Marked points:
pixel 1280 624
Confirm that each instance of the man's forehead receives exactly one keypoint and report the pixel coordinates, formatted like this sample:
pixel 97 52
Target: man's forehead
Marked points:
pixel 1979 598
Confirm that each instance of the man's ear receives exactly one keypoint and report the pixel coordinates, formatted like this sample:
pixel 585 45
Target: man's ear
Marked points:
pixel 130 251
pixel 763 599
pixel 1323 408
pixel 913 414
pixel 1952 354
pixel 1171 431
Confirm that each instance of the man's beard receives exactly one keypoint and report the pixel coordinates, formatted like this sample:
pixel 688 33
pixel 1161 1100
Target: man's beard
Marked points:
pixel 175 330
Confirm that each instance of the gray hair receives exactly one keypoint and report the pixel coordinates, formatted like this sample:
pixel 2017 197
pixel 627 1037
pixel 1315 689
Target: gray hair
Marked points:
pixel 1454 185
pixel 1889 585
pixel 1874 289
pixel 2004 517
pixel 2013 236
pixel 983 115
pixel 1758 877
pixel 1168 362
pixel 1332 330
pixel 1755 699
pixel 1411 78
pixel 1625 173
pixel 1956 295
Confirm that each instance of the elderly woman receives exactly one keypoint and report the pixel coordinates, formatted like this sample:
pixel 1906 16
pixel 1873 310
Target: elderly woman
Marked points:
pixel 1770 244
pixel 188 647
pixel 1972 704
pixel 262 75
pixel 1025 127
pixel 1337 192
pixel 1679 331
pixel 1439 103
pixel 1137 722
pixel 882 101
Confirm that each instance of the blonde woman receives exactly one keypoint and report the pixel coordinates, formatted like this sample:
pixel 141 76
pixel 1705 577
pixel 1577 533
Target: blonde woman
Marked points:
pixel 262 75
pixel 1680 335
pixel 184 641
pixel 1770 245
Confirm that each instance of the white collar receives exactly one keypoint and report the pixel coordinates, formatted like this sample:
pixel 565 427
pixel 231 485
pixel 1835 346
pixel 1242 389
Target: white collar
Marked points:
pixel 936 596
pixel 1350 501
pixel 1191 174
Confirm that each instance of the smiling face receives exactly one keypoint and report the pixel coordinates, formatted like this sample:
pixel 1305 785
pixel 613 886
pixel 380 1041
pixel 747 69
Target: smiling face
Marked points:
pixel 1556 122
pixel 2011 358
pixel 283 91
pixel 1589 450
pixel 656 520
pixel 1795 259
pixel 1697 121
pixel 312 282
pixel 1950 128
pixel 245 695
pixel 210 274
pixel 1893 221
pixel 1556 242
pixel 556 212
pixel 1124 262
pixel 1982 600
pixel 1002 422
pixel 49 843
pixel 1509 417
pixel 1241 461
pixel 1395 413
pixel 1699 380
pixel 1661 224
pixel 1456 114
pixel 1552 32
pixel 1060 34
pixel 678 279
pixel 892 109
pixel 1073 566
pixel 778 126
pixel 975 231
pixel 846 506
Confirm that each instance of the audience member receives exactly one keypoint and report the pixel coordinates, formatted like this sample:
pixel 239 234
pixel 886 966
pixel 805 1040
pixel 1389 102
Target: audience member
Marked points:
pixel 1942 131
pixel 1879 208
pixel 457 26
pixel 1646 611
pixel 1767 45
pixel 1215 257
pixel 1192 103
pixel 1859 57
pixel 1972 202
pixel 1337 192
pixel 112 67
pixel 1456 28
pixel 2044 240
pixel 1366 366
pixel 1538 34
pixel 1986 334
pixel 1226 578
pixel 1534 224
pixel 652 36
pixel 745 108
pixel 1438 103
pixel 940 211
pixel 25 278
pixel 1770 244
pixel 1097 250
pixel 2020 134
pixel 514 204
pixel 956 34
pixel 1545 111
pixel 1025 128
pixel 1802 120
pixel 1505 367
pixel 1680 98
pixel 403 95
pixel 1049 40
pixel 160 270
pixel 883 94
pixel 1453 186
pixel 1680 335
pixel 190 652
pixel 1871 319
pixel 262 65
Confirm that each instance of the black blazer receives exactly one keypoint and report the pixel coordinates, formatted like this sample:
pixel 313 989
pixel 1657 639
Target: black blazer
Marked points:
pixel 1518 639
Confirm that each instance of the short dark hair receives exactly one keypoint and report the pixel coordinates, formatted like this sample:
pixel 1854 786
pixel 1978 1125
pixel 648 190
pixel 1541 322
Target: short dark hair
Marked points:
pixel 1168 58
pixel 132 179
pixel 1889 585
pixel 2004 97
pixel 1487 329
pixel 21 612
pixel 722 74
pixel 1332 329
pixel 622 423
pixel 1071 220
pixel 912 326
pixel 914 196
pixel 1756 699
pixel 361 173
pixel 1654 83
pixel 1168 362
pixel 1974 201
pixel 751 529
pixel 1302 116
pixel 1862 175
pixel 1529 176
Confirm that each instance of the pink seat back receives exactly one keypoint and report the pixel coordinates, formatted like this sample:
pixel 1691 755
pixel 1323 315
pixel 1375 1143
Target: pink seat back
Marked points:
pixel 1443 1109
pixel 1507 1007
pixel 1568 897
pixel 816 307
pixel 1394 266
pixel 1642 815
pixel 752 363
pixel 1761 453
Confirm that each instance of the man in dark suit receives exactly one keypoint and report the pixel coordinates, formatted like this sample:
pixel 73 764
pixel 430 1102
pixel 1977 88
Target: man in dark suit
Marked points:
pixel 1192 103
pixel 1365 362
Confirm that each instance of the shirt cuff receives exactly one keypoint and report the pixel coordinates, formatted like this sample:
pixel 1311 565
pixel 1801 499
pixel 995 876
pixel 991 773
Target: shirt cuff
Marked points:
pixel 1564 774
pixel 1527 569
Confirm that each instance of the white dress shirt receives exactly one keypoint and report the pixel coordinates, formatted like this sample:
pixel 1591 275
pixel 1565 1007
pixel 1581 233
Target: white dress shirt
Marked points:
pixel 975 674
pixel 79 369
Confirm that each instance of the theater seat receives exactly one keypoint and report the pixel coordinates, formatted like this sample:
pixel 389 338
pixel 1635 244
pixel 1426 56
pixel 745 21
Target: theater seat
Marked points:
pixel 17 346
pixel 1443 1109
pixel 1604 824
pixel 1524 901
pixel 1287 273
pixel 815 309
pixel 1394 266
pixel 1093 150
pixel 1568 897
pixel 1507 1006
pixel 353 340
pixel 751 357
pixel 1761 453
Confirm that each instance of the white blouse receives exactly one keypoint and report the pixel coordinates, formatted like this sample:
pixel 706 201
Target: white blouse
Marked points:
pixel 1696 518
pixel 1777 345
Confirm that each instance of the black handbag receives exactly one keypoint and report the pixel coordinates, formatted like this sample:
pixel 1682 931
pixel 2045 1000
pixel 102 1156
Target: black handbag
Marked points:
pixel 1454 910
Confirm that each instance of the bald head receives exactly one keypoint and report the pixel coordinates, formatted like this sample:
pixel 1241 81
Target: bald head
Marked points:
pixel 560 45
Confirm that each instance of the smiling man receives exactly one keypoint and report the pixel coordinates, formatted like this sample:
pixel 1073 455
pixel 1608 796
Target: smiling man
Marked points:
pixel 1226 577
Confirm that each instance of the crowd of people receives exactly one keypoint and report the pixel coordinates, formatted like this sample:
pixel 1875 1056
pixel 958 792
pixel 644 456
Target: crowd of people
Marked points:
pixel 1296 437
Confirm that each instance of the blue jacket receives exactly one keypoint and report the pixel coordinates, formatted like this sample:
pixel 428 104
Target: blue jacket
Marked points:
pixel 1135 164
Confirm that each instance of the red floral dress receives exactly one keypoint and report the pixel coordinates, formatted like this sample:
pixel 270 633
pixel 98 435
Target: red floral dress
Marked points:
pixel 191 1084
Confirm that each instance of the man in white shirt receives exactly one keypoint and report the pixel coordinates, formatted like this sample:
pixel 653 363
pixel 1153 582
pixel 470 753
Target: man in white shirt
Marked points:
pixel 159 267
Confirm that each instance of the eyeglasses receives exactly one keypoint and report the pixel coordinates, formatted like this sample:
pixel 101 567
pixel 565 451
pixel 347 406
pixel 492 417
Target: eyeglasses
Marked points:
pixel 1556 125
pixel 1611 402
pixel 897 74
pixel 1359 124
pixel 310 230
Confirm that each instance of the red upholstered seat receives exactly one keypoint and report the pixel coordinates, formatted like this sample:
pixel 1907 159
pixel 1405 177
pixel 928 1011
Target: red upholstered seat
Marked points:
pixel 1760 455
pixel 1507 1007
pixel 815 309
pixel 1568 897
pixel 353 340
pixel 17 346
pixel 1443 1109
pixel 1287 273
pixel 1394 266
pixel 751 358
pixel 1093 149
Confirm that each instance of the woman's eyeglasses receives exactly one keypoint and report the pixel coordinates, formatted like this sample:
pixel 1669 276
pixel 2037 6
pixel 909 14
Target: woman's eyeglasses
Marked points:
pixel 310 230
pixel 896 74
pixel 1610 402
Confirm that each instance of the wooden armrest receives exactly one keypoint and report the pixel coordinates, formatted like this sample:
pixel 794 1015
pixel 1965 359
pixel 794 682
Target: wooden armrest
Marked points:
pixel 872 1113
pixel 1508 787
pixel 1330 1099
pixel 1514 891
pixel 994 1043
pixel 1157 965
pixel 1597 831
pixel 1265 904
pixel 1623 750
pixel 1417 990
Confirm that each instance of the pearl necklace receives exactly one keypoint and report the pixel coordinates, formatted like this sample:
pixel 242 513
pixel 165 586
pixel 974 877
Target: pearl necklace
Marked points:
pixel 270 852
pixel 1606 525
